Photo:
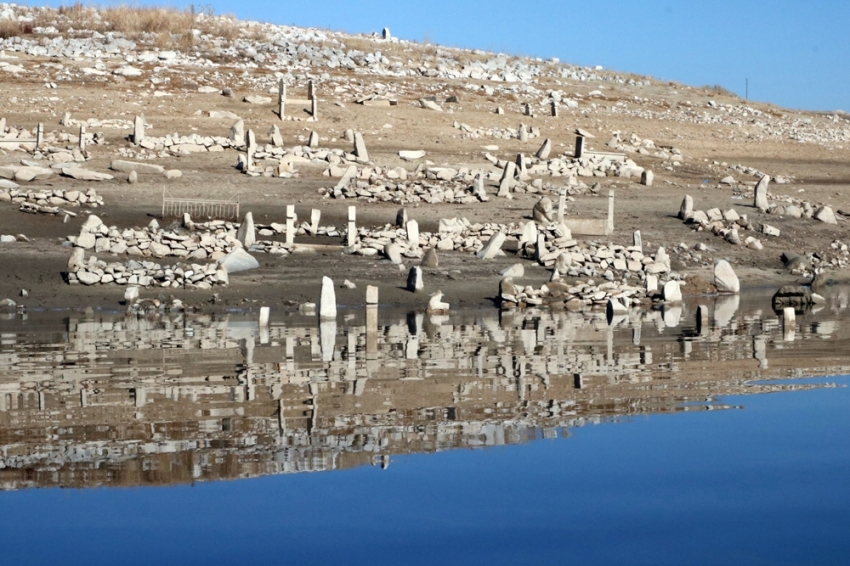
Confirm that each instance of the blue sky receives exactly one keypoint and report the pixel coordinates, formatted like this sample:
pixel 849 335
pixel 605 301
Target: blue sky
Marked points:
pixel 795 54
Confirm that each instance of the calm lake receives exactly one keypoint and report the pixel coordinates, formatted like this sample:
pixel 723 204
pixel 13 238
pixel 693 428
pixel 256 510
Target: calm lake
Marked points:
pixel 394 437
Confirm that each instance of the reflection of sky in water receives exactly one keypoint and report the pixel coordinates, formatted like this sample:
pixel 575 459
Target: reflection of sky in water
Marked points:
pixel 183 401
pixel 766 485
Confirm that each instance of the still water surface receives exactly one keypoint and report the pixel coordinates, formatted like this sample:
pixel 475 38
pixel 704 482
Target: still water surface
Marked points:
pixel 398 438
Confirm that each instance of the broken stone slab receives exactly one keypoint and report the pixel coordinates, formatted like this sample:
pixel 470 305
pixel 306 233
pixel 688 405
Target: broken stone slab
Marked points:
pixel 327 300
pixel 517 271
pixel 414 280
pixel 143 168
pixel 84 174
pixel 769 230
pixel 238 260
pixel 256 99
pixel 826 215
pixel 411 155
pixel 430 105
pixel 493 246
pixel 27 174
pixel 436 304
pixel 725 279
pixel 393 253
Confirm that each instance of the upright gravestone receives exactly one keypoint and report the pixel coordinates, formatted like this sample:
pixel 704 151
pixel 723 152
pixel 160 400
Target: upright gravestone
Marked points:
pixel 637 240
pixel 761 201
pixel 311 93
pixel 686 209
pixel 554 109
pixel 246 233
pixel 413 233
pixel 562 204
pixel 250 148
pixel 545 149
pixel 290 224
pixel 352 226
pixel 507 181
pixel 414 280
pixel 401 218
pixel 360 147
pixel 281 99
pixel 138 129
pixel 327 301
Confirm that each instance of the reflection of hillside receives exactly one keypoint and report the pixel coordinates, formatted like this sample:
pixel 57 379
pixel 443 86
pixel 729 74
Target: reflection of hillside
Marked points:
pixel 127 401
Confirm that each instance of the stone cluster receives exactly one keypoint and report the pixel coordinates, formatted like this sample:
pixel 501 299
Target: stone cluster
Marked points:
pixel 558 295
pixel 152 241
pixel 727 225
pixel 52 201
pixel 91 271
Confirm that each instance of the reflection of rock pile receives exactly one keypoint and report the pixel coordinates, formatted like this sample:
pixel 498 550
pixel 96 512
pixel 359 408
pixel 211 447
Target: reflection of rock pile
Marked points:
pixel 131 400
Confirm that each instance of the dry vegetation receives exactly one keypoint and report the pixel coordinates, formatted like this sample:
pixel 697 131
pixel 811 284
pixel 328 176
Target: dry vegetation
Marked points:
pixel 162 27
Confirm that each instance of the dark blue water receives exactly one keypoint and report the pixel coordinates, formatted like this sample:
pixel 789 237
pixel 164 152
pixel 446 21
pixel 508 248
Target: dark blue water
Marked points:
pixel 767 484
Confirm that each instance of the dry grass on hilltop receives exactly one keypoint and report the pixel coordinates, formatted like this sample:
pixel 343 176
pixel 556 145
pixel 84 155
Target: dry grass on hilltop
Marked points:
pixel 160 26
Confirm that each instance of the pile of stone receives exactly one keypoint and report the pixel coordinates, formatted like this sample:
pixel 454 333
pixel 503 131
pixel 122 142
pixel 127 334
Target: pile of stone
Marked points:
pixel 152 241
pixel 522 133
pixel 433 185
pixel 436 185
pixel 618 298
pixel 50 201
pixel 184 145
pixel 789 206
pixel 591 165
pixel 92 271
pixel 551 246
pixel 635 144
pixel 727 225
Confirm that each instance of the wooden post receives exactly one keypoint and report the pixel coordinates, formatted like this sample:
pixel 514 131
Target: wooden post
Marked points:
pixel 609 227
pixel 39 135
pixel 82 137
